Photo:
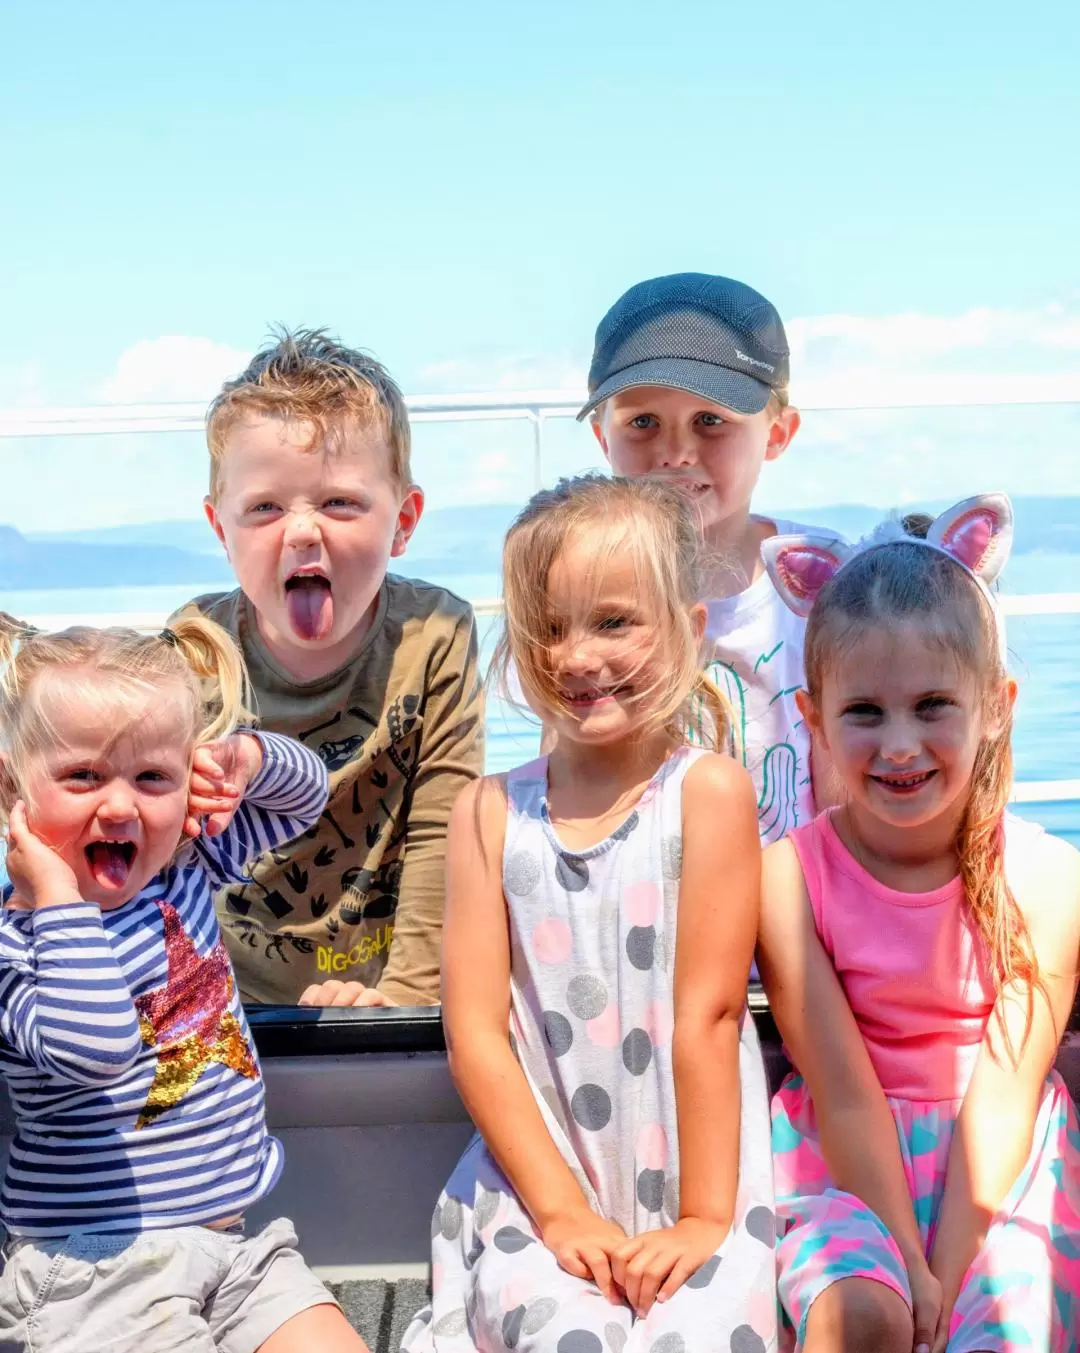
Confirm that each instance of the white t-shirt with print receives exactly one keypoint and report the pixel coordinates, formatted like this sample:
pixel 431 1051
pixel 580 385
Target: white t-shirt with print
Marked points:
pixel 756 646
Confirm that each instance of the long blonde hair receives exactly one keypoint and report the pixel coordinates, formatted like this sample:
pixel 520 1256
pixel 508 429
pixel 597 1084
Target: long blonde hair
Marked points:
pixel 902 582
pixel 194 653
pixel 652 525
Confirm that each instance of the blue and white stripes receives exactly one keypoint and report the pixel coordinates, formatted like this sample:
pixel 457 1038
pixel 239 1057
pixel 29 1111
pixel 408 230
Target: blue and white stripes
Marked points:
pixel 79 1067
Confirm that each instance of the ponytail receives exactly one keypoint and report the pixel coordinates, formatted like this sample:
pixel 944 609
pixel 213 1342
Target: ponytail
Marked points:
pixel 209 653
pixel 980 847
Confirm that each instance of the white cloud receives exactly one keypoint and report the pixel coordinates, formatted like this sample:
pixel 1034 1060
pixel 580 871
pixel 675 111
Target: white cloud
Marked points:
pixel 171 369
pixel 984 356
pixel 503 371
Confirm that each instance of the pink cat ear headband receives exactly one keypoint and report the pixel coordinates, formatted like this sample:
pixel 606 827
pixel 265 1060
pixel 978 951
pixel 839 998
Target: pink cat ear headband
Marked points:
pixel 977 534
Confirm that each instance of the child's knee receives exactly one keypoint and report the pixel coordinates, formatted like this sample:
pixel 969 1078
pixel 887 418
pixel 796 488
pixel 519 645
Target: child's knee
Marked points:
pixel 857 1314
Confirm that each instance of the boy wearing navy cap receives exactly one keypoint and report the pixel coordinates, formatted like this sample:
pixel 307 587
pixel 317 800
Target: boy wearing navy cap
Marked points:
pixel 689 381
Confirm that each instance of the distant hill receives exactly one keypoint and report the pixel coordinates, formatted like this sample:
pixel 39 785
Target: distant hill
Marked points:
pixel 448 540
pixel 29 563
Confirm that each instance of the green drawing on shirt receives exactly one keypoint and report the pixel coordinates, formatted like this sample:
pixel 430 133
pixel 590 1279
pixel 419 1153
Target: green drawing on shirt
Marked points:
pixel 778 803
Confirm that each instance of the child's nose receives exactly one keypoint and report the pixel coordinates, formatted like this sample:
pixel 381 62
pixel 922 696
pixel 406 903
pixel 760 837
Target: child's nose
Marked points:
pixel 118 803
pixel 900 741
pixel 680 448
pixel 578 656
pixel 301 528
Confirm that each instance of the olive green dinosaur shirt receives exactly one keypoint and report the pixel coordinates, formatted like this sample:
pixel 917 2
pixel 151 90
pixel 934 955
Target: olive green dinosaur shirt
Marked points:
pixel 359 897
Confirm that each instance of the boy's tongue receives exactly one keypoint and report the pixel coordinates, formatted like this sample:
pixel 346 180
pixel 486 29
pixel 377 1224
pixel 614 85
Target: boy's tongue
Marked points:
pixel 109 864
pixel 310 604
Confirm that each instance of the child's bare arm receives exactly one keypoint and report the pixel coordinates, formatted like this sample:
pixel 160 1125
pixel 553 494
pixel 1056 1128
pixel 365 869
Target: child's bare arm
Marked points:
pixel 451 757
pixel 858 1135
pixel 476 1014
pixel 719 892
pixel 993 1134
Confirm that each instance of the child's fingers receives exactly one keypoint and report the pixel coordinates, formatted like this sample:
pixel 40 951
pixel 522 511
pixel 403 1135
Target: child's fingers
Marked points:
pixel 16 821
pixel 597 1263
pixel 684 1268
pixel 573 1263
pixel 204 784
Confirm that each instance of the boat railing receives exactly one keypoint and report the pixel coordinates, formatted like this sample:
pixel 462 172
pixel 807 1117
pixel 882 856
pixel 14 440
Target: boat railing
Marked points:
pixel 538 407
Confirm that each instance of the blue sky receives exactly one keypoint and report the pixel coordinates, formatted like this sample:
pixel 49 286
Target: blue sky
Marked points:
pixel 465 188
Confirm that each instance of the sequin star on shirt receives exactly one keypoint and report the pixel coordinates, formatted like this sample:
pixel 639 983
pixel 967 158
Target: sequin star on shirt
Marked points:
pixel 188 1021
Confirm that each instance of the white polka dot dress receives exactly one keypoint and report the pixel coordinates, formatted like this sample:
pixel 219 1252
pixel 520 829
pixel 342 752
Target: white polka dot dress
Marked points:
pixel 591 1019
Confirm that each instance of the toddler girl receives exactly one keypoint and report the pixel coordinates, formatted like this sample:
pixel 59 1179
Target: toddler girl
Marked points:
pixel 140 1135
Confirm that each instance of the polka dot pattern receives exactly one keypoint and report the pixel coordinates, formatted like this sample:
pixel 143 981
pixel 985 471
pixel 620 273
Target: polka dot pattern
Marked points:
pixel 539 1314
pixel 671 857
pixel 572 872
pixel 641 946
pixel 579 1341
pixel 761 1223
pixel 705 1274
pixel 591 1107
pixel 487 1205
pixel 511 1326
pixel 452 1324
pixel 521 873
pixel 637 1052
pixel 510 1240
pixel 592 949
pixel 604 1030
pixel 650 1190
pixel 587 996
pixel 745 1339
pixel 559 1032
pixel 615 1335
pixel 450 1223
pixel 552 941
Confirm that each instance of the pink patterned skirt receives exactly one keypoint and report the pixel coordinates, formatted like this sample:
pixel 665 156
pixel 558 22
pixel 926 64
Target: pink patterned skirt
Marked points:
pixel 1022 1291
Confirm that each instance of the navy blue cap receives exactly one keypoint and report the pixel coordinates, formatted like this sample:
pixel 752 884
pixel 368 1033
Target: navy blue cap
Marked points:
pixel 713 336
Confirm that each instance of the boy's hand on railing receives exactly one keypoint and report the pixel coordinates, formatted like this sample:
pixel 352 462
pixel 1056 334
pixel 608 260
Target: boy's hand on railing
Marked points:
pixel 584 1244
pixel 40 877
pixel 343 994
pixel 220 774
pixel 654 1265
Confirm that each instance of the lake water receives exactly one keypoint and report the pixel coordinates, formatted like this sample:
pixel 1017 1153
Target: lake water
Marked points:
pixel 1045 658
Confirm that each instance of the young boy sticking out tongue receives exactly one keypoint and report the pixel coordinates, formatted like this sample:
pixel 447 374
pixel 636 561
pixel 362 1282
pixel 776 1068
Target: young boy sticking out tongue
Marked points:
pixel 312 496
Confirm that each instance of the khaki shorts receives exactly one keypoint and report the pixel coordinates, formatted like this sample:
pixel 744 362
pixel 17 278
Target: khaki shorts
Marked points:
pixel 187 1288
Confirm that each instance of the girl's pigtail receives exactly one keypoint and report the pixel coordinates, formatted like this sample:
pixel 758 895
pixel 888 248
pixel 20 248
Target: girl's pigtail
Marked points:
pixel 212 654
pixel 12 632
pixel 709 719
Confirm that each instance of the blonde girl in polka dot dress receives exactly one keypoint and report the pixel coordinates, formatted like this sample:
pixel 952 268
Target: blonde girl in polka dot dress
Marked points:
pixel 601 914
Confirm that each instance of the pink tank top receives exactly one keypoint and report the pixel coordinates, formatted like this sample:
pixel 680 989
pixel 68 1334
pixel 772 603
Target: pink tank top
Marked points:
pixel 913 967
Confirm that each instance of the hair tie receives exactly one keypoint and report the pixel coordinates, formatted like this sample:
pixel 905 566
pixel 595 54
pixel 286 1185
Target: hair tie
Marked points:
pixel 169 636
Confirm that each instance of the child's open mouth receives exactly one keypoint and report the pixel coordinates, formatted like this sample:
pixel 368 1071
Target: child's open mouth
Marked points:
pixel 594 696
pixel 907 783
pixel 309 600
pixel 110 862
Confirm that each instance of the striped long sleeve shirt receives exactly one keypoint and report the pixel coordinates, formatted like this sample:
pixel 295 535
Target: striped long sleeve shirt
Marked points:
pixel 132 1074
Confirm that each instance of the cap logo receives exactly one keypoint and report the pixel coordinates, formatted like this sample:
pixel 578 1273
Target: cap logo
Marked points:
pixel 753 361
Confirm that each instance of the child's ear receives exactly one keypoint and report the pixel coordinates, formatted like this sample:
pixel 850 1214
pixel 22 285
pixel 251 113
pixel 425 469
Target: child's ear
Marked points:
pixel 699 616
pixel 1001 709
pixel 784 427
pixel 597 425
pixel 214 520
pixel 810 713
pixel 409 514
